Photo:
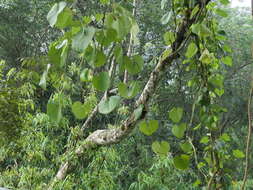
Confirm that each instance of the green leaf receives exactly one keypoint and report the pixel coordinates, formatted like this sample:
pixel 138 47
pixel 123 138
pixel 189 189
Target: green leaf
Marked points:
pixel 169 38
pixel 129 91
pixel 179 130
pixel 85 75
pixel 43 80
pixel 108 105
pixel 161 148
pixel 148 128
pixel 206 57
pixel 201 30
pixel 163 3
pixel 186 147
pixel 238 154
pixel 54 12
pixel 191 50
pixel 221 12
pixel 82 39
pixel 166 18
pixel 227 60
pixel 81 110
pixel 182 162
pixel 64 19
pixel 225 137
pixel 217 80
pixel 176 114
pixel 54 110
pixel 135 65
pixel 100 59
pixel 225 2
pixel 138 112
pixel 194 11
pixel 54 54
pixel 227 48
pixel 204 140
pixel 101 81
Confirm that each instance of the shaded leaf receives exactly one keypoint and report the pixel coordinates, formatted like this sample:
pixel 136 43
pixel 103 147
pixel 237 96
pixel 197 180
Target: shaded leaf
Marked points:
pixel 101 81
pixel 148 128
pixel 161 148
pixel 108 105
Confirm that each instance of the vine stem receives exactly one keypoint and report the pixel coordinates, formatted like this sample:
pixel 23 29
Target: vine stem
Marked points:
pixel 247 159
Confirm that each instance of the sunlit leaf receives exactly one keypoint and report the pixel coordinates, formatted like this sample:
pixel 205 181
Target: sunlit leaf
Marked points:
pixel 179 130
pixel 82 39
pixel 191 50
pixel 238 154
pixel 54 12
pixel 54 110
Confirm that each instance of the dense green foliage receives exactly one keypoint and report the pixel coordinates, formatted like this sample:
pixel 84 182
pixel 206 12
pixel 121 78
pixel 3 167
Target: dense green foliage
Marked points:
pixel 75 71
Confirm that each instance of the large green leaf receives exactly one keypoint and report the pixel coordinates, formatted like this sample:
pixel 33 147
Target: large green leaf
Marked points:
pixel 182 161
pixel 101 81
pixel 82 39
pixel 178 130
pixel 148 128
pixel 64 18
pixel 161 148
pixel 191 50
pixel 108 105
pixel 129 91
pixel 176 114
pixel 227 60
pixel 54 12
pixel 54 110
pixel 81 110
pixel 134 65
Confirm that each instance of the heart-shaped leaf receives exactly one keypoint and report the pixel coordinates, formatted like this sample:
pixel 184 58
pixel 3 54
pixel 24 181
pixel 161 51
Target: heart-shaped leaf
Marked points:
pixel 134 65
pixel 148 128
pixel 178 130
pixel 108 105
pixel 191 50
pixel 129 91
pixel 176 114
pixel 101 81
pixel 186 147
pixel 81 110
pixel 182 161
pixel 161 148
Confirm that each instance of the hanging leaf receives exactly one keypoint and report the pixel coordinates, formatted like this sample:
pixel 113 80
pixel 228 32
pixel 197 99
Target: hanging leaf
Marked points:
pixel 148 128
pixel 64 19
pixel 169 38
pixel 194 11
pixel 108 105
pixel 178 130
pixel 182 162
pixel 82 39
pixel 101 81
pixel 163 3
pixel 161 148
pixel 191 50
pixel 176 114
pixel 43 80
pixel 54 110
pixel 166 18
pixel 128 91
pixel 134 65
pixel 81 110
pixel 99 59
pixel 221 12
pixel 54 12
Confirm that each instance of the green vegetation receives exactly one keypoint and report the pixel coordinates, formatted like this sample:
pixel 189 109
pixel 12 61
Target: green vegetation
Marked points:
pixel 116 94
